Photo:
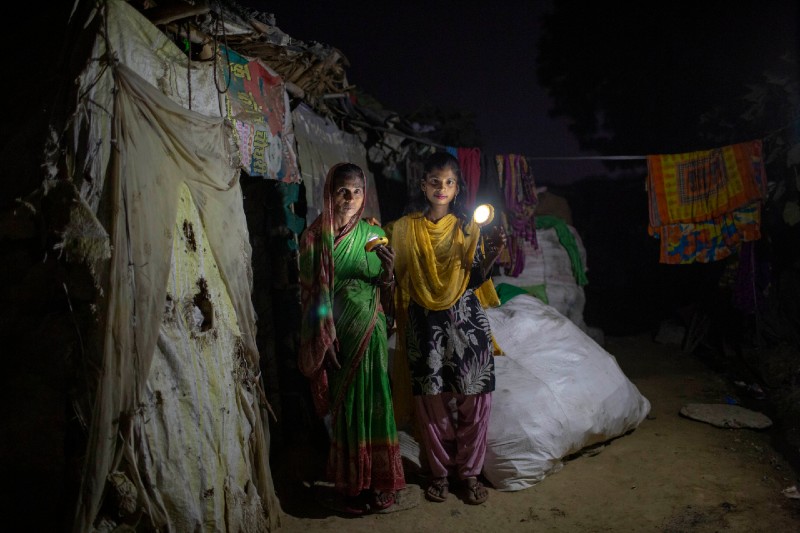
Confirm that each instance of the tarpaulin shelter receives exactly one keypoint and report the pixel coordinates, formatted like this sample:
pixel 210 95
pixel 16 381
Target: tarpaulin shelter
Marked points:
pixel 166 109
pixel 174 404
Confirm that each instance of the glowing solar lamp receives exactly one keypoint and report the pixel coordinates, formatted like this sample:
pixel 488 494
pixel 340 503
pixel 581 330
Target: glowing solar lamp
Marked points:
pixel 483 214
pixel 374 241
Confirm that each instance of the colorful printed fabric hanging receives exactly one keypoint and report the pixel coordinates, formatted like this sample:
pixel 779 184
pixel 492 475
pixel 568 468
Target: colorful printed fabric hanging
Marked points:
pixel 258 106
pixel 704 204
pixel 469 159
pixel 519 193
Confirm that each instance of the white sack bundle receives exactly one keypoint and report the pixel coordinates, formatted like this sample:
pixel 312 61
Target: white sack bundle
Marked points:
pixel 557 392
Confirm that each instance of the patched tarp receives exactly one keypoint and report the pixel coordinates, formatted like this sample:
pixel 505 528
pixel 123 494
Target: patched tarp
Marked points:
pixel 125 36
pixel 160 149
pixel 178 422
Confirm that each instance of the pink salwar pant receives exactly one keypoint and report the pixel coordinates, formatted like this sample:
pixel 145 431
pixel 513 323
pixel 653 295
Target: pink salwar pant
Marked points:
pixel 453 428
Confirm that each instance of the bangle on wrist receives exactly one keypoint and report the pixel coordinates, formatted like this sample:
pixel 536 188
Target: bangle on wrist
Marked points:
pixel 387 283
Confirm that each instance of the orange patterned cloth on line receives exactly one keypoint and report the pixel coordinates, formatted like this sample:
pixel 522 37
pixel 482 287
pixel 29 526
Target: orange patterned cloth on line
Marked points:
pixel 704 204
pixel 699 186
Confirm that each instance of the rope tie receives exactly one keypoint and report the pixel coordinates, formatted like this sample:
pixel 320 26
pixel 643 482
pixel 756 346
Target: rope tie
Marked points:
pixel 227 56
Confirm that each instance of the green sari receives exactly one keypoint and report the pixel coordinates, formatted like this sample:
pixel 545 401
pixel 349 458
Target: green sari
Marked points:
pixel 365 449
pixel 341 308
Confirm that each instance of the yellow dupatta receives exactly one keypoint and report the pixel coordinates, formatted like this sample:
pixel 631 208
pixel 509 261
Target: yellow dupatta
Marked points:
pixel 433 259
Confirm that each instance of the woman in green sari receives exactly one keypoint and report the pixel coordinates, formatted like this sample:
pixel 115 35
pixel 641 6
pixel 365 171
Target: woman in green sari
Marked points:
pixel 343 344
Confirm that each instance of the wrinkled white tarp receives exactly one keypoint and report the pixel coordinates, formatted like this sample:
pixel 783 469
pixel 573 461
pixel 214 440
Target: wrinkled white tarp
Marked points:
pixel 557 392
pixel 198 406
pixel 196 482
pixel 126 36
pixel 179 418
pixel 134 148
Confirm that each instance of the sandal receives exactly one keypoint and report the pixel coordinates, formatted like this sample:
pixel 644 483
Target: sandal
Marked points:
pixel 381 500
pixel 438 490
pixel 476 492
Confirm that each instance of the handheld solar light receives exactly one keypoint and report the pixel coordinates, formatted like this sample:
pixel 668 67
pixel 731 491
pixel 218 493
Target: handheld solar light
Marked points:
pixel 374 241
pixel 483 214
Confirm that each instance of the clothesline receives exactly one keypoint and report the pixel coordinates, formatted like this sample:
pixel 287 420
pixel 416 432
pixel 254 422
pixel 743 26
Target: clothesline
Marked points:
pixel 571 158
pixel 539 158
pixel 560 158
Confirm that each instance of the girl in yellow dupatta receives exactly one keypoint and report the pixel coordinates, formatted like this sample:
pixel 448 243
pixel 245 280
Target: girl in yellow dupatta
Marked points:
pixel 343 343
pixel 443 332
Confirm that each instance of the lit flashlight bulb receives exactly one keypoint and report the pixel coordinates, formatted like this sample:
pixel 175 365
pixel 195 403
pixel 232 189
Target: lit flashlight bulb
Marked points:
pixel 483 214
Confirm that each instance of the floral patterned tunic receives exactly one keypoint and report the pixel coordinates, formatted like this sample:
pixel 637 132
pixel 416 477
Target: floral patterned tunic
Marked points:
pixel 451 350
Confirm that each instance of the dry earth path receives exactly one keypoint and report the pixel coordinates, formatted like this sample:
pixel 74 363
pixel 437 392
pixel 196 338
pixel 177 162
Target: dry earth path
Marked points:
pixel 672 474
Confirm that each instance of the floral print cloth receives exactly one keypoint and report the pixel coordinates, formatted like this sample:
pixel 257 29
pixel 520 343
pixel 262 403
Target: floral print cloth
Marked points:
pixel 451 350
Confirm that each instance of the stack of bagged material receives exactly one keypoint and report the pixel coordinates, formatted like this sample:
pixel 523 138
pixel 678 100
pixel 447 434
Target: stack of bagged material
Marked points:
pixel 558 392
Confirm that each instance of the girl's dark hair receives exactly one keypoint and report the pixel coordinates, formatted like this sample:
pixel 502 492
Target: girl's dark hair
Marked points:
pixel 442 161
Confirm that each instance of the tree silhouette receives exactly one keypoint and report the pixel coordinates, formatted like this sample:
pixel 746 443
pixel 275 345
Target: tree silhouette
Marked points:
pixel 646 78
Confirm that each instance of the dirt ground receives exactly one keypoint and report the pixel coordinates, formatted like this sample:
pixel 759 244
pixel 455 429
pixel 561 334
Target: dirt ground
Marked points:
pixel 671 474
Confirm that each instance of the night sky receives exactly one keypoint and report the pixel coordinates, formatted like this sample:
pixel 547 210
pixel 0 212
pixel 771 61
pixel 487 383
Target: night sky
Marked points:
pixel 481 57
pixel 478 57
